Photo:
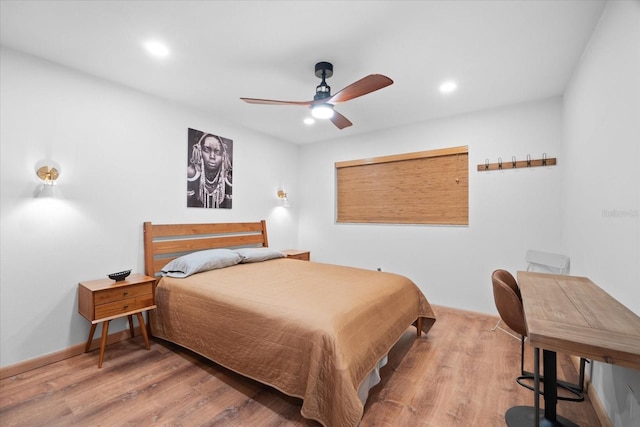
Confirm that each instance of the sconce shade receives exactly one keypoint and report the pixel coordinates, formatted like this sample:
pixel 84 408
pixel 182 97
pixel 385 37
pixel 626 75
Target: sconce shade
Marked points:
pixel 47 190
pixel 282 195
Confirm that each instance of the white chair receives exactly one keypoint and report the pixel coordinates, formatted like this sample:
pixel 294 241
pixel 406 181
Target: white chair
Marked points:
pixel 545 262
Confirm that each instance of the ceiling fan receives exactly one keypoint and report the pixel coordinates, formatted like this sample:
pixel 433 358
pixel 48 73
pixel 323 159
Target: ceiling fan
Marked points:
pixel 323 102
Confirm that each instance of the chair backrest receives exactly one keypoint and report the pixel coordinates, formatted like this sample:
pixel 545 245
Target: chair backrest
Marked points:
pixel 545 262
pixel 506 295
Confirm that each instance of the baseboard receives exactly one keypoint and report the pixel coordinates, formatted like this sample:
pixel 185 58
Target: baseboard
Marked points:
pixel 598 407
pixel 47 359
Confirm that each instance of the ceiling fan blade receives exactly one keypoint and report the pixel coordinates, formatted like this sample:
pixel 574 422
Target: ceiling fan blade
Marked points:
pixel 274 102
pixel 340 121
pixel 365 85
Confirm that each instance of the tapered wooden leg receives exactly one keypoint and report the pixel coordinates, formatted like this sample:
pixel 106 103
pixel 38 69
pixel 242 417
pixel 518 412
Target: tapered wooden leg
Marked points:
pixel 143 328
pixel 130 317
pixel 90 339
pixel 419 326
pixel 103 341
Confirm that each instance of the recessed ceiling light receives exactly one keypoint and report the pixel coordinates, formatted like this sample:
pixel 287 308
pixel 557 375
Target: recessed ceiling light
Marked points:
pixel 156 48
pixel 448 86
pixel 309 121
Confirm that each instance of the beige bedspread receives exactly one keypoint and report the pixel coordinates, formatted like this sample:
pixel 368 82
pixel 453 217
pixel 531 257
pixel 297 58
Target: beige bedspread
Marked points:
pixel 310 330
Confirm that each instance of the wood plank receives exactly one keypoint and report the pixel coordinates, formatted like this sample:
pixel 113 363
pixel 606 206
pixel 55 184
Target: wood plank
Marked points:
pixel 599 309
pixel 167 230
pixel 606 346
pixel 197 244
pixel 460 373
pixel 573 315
pixel 545 300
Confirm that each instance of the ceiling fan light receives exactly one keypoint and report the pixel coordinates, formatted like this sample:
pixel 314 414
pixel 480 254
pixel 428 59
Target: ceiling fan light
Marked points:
pixel 322 111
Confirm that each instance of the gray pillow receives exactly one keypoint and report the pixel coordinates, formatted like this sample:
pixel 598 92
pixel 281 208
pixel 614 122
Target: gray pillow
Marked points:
pixel 258 254
pixel 196 262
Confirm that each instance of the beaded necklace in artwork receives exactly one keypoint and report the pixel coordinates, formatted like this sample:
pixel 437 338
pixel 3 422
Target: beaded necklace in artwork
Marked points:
pixel 212 191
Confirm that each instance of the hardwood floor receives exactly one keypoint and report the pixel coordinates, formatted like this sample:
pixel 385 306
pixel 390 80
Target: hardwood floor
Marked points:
pixel 460 374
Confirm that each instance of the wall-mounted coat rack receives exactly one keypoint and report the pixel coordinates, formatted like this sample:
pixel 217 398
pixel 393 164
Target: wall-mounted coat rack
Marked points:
pixel 515 164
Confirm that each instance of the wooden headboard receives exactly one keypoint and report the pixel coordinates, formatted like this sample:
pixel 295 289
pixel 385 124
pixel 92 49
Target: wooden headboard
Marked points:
pixel 165 242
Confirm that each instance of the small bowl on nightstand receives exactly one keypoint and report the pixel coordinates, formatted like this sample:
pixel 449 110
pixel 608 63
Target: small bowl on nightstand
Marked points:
pixel 119 276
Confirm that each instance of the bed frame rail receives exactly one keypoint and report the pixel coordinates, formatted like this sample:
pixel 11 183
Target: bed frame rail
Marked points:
pixel 165 242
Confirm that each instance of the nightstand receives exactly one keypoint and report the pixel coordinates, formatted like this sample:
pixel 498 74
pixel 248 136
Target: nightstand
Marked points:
pixel 297 254
pixel 103 300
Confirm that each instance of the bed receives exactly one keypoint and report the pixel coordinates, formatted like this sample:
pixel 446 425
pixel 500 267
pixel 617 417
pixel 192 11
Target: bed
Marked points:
pixel 311 330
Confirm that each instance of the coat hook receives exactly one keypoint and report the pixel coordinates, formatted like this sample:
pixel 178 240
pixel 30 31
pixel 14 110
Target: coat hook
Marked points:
pixel 499 162
pixel 528 160
pixel 544 159
pixel 486 164
pixel 513 161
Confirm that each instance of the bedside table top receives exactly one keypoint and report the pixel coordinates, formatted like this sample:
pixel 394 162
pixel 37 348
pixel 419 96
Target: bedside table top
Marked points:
pixel 293 252
pixel 99 284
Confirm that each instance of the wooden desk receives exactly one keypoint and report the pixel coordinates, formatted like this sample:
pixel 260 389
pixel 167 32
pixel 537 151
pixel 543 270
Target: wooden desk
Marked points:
pixel 573 315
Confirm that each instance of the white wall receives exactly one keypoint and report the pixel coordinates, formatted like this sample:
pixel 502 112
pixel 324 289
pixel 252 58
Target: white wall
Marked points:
pixel 602 181
pixel 123 156
pixel 509 211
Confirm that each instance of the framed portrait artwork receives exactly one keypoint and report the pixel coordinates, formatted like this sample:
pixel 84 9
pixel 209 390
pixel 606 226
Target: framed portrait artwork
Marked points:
pixel 209 170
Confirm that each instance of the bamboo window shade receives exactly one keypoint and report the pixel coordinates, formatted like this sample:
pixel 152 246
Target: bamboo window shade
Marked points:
pixel 427 187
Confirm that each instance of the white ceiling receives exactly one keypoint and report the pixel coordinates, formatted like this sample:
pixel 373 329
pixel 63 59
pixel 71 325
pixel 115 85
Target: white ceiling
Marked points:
pixel 499 52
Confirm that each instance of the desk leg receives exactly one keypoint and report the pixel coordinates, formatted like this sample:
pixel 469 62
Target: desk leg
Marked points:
pixel 551 418
pixel 536 384
pixel 550 385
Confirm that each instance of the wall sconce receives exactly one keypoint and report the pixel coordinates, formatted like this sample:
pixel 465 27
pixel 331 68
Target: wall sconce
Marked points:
pixel 282 195
pixel 48 171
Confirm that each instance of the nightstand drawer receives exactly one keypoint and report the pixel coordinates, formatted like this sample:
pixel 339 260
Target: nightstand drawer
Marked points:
pixel 123 306
pixel 122 293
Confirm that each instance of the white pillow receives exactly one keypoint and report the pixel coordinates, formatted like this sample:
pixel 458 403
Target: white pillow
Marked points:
pixel 196 262
pixel 258 254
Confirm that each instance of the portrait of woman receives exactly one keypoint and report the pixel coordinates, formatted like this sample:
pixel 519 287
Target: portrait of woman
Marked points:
pixel 209 170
